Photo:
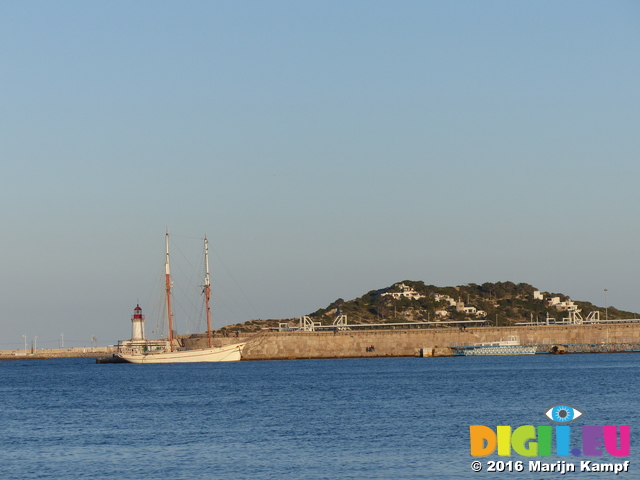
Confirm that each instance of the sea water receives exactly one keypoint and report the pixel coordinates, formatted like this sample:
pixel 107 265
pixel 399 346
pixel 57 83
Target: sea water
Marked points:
pixel 387 418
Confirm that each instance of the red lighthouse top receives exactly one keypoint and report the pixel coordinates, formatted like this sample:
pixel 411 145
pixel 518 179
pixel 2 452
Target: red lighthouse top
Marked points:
pixel 137 313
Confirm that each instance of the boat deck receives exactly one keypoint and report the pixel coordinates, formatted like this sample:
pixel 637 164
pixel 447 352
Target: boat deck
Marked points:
pixel 467 350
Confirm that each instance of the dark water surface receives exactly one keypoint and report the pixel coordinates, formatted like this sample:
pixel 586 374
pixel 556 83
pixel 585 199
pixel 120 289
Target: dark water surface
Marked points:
pixel 403 418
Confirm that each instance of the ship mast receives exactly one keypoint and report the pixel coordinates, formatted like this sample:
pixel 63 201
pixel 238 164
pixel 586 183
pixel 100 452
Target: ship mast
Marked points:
pixel 167 276
pixel 207 290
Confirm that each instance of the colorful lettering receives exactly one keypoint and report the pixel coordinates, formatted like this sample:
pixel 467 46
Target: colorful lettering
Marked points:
pixel 610 441
pixel 521 437
pixel 530 441
pixel 483 440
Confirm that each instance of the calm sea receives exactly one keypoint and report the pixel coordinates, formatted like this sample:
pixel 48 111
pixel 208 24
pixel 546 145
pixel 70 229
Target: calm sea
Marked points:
pixel 396 418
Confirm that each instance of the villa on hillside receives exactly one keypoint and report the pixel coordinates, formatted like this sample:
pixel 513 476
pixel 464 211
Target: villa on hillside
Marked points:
pixel 443 298
pixel 460 307
pixel 409 292
pixel 566 306
pixel 405 292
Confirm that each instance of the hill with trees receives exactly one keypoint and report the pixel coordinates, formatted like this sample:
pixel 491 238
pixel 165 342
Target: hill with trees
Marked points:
pixel 500 303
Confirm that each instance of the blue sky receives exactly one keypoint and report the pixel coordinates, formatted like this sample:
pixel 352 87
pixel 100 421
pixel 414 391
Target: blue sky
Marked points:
pixel 325 148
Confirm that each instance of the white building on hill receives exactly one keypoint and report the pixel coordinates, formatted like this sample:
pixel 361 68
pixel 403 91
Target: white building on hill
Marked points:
pixel 405 292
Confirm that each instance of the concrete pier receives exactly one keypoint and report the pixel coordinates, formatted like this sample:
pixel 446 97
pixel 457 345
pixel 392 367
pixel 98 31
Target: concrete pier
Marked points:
pixel 47 353
pixel 272 345
pixel 425 342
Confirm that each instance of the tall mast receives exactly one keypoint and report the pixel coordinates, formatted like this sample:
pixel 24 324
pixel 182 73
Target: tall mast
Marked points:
pixel 207 290
pixel 167 277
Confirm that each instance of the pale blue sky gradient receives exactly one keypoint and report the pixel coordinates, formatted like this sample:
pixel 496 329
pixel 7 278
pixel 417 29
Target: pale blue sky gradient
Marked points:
pixel 326 149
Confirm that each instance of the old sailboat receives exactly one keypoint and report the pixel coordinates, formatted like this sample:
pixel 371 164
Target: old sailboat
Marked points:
pixel 169 353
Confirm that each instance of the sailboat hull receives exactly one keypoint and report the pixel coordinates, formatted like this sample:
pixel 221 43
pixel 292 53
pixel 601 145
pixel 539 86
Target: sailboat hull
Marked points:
pixel 227 353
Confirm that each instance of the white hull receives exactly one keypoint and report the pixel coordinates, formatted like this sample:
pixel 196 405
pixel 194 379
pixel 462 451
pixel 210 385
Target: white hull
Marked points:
pixel 498 350
pixel 227 353
pixel 502 347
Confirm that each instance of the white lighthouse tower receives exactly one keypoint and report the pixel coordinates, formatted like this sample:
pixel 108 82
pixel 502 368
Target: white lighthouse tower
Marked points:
pixel 137 325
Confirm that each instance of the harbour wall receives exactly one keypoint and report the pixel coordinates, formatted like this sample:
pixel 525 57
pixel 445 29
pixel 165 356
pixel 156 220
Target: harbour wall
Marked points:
pixel 273 345
pixel 424 342
pixel 46 353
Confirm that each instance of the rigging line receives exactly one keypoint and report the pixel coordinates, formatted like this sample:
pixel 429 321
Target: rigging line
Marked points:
pixel 180 306
pixel 192 275
pixel 161 326
pixel 229 305
pixel 194 317
pixel 200 315
pixel 156 304
pixel 255 310
pixel 237 308
pixel 188 282
pixel 186 259
pixel 185 300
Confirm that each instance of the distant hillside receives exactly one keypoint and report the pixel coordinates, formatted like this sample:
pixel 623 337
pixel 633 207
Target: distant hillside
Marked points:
pixel 501 303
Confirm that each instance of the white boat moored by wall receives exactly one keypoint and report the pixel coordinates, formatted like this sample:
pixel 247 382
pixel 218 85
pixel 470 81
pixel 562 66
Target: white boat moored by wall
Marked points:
pixel 512 346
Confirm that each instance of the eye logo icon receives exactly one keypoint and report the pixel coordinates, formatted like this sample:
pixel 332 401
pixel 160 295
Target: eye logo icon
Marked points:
pixel 563 413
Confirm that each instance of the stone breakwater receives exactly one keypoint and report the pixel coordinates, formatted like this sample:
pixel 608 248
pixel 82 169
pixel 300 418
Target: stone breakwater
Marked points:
pixel 47 353
pixel 271 345
pixel 427 342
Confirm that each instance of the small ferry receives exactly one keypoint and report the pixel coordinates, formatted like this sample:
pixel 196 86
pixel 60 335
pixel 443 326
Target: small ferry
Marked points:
pixel 511 346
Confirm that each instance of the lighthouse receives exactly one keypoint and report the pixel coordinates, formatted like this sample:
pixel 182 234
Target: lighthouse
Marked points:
pixel 137 325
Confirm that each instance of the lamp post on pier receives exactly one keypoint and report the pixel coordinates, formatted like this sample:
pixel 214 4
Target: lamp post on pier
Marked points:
pixel 606 307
